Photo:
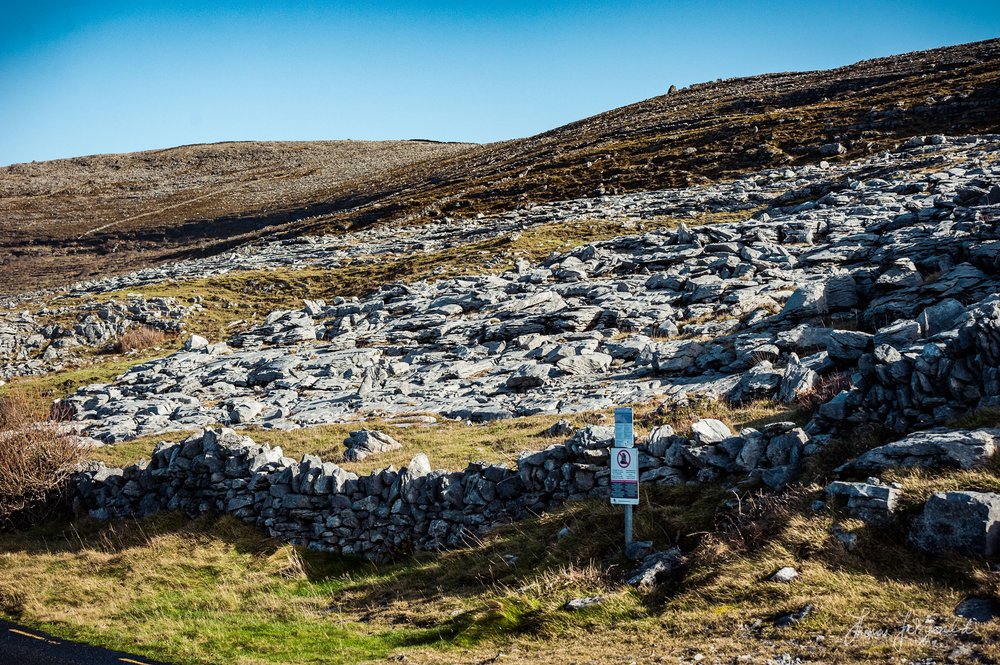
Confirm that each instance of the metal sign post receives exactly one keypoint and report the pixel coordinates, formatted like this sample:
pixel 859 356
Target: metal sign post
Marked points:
pixel 625 469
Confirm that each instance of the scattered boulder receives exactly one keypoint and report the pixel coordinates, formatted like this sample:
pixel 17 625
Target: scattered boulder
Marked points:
pixel 561 428
pixel 846 538
pixel 832 149
pixel 656 568
pixel 638 550
pixel 978 609
pixel 784 575
pixel 834 294
pixel 710 430
pixel 527 377
pixel 243 410
pixel 796 380
pixel 364 443
pixel 577 604
pixel 966 522
pixel 871 502
pixel 933 449
pixel 195 343
pixel 791 618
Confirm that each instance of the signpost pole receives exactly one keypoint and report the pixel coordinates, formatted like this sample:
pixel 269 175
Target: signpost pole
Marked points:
pixel 624 468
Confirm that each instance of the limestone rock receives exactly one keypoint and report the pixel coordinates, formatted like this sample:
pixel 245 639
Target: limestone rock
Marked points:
pixel 710 430
pixel 967 522
pixel 933 449
pixel 363 443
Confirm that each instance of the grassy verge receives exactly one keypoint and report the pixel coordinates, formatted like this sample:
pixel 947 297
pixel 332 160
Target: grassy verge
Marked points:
pixel 212 590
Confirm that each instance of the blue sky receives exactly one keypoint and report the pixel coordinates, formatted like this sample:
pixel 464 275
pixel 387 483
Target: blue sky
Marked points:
pixel 79 78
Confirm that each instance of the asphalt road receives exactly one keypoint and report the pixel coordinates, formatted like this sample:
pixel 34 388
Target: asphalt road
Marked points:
pixel 25 646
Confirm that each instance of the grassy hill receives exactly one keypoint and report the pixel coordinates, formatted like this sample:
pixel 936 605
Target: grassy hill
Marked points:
pixel 73 219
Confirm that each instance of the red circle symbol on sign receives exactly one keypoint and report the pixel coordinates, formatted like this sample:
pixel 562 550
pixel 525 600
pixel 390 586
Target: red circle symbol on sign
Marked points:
pixel 624 458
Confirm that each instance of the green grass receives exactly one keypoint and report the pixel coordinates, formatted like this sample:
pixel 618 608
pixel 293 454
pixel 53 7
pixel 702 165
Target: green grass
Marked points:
pixel 212 590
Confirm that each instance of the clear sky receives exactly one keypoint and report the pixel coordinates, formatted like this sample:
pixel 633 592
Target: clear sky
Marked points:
pixel 79 78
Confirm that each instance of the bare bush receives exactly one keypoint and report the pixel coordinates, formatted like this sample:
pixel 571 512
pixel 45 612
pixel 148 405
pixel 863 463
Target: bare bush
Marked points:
pixel 756 518
pixel 37 457
pixel 824 390
pixel 140 339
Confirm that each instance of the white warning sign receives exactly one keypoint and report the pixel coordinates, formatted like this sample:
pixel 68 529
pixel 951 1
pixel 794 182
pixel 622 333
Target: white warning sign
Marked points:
pixel 624 476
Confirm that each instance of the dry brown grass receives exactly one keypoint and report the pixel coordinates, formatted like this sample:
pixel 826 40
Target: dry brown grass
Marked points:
pixel 138 339
pixel 825 390
pixel 37 456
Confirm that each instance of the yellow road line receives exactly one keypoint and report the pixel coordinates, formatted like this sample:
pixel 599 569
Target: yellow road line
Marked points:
pixel 21 632
pixel 129 660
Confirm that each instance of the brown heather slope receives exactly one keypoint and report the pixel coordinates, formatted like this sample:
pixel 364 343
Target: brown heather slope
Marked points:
pixel 72 219
pixel 704 132
pixel 713 131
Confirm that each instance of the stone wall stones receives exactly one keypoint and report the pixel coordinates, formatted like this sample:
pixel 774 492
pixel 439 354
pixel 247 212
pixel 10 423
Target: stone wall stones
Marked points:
pixel 320 505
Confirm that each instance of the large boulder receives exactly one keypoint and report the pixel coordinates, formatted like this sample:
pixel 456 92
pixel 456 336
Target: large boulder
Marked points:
pixel 528 376
pixel 244 409
pixel 966 522
pixel 364 443
pixel 834 294
pixel 796 380
pixel 870 502
pixel 590 363
pixel 933 449
pixel 709 430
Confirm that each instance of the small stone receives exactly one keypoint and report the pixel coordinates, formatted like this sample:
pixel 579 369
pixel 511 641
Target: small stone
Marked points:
pixel 577 604
pixel 790 618
pixel 656 568
pixel 832 149
pixel 978 609
pixel 560 428
pixel 961 654
pixel 846 538
pixel 784 575
pixel 638 549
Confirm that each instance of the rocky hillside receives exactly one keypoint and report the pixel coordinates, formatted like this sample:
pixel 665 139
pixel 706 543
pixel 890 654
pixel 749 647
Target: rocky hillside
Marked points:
pixel 889 251
pixel 809 335
pixel 165 204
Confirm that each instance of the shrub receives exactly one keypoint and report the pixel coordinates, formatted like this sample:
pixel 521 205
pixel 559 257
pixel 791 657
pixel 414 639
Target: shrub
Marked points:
pixel 37 457
pixel 825 389
pixel 757 517
pixel 140 339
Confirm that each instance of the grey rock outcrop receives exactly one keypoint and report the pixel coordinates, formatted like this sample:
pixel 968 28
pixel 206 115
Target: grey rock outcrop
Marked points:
pixel 967 522
pixel 883 281
pixel 364 443
pixel 933 449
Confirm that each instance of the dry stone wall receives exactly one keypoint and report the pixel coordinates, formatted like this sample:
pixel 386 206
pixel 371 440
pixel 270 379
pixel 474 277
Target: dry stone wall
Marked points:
pixel 388 512
pixel 929 371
